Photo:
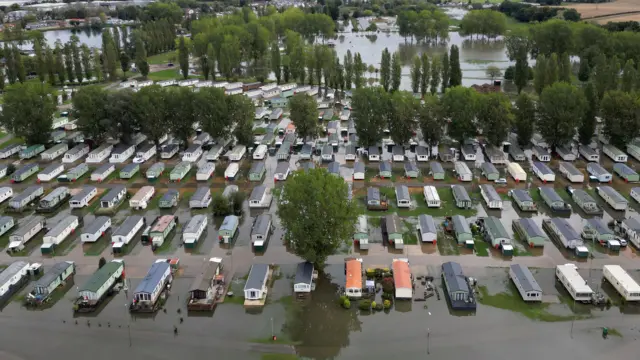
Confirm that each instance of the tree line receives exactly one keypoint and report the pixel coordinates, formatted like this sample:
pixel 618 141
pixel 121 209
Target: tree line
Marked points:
pixel 428 25
pixel 444 71
pixel 487 23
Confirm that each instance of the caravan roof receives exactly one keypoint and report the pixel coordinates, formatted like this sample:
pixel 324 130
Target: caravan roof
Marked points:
pixel 525 278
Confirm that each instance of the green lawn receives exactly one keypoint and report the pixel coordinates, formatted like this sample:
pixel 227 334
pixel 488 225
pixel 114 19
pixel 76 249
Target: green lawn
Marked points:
pixel 168 74
pixel 12 141
pixel 97 247
pixel 481 247
pixel 164 58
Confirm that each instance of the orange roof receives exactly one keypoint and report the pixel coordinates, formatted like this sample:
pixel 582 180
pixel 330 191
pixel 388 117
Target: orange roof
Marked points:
pixel 291 126
pixel 401 274
pixel 354 274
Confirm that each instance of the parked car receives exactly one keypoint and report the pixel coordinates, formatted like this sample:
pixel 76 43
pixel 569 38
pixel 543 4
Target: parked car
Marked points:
pixel 500 181
pixel 569 189
pixel 622 241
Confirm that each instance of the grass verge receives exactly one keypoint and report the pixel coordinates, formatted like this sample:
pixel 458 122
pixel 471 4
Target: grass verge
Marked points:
pixel 481 247
pixel 97 247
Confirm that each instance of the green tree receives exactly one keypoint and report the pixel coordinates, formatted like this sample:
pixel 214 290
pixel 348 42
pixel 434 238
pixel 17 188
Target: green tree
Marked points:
pixel 125 63
pixel 540 74
pixel 41 63
pixel 358 71
pixel 402 114
pixel 10 64
pixel 19 63
pixel 620 112
pixel 77 59
pixel 518 45
pixel 241 113
pixel 68 61
pixel 86 62
pixel 51 66
pixel 495 116
pixel 97 65
pixel 493 72
pixel 560 111
pixel 369 107
pixel 152 112
pixel 629 76
pixel 348 69
pixel 416 74
pixel 27 111
pixel 109 56
pixel 2 84
pixel 584 71
pixel 183 58
pixel 211 58
pixel 276 65
pixel 424 74
pixel 396 72
pixel 445 68
pixel 316 214
pixel 564 68
pixel 455 76
pixel 435 74
pixel 102 262
pixel 90 111
pixel 220 205
pixel 430 120
pixel 385 70
pixel 304 115
pixel 571 15
pixel 141 56
pixel 525 118
pixel 462 118
pixel 229 56
pixel 588 126
pixel 552 70
pixel 600 75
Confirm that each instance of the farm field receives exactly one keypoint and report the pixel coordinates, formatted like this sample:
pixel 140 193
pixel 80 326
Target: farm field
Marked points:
pixel 613 11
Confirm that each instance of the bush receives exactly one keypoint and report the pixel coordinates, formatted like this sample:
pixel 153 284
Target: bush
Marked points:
pixel 379 307
pixel 387 304
pixel 371 273
pixel 365 305
pixel 387 285
pixel 373 304
pixel 387 296
pixel 346 304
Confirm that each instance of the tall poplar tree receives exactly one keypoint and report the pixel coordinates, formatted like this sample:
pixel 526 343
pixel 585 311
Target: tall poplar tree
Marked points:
pixel 455 73
pixel 51 66
pixel 396 72
pixel 276 65
pixel 41 63
pixel 424 74
pixel 385 70
pixel 445 69
pixel 183 57
pixel 416 74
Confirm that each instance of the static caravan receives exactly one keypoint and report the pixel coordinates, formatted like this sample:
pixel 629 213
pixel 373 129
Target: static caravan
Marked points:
pixel 12 279
pixel 461 197
pixel 5 193
pixel 194 230
pixel 411 170
pixel 256 286
pixel 260 231
pixel 29 195
pixel 308 165
pixel 141 199
pixel 59 233
pixel 24 233
pixel 587 203
pixel 526 284
pixel 448 155
pixel 333 127
pixel 100 154
pixel 58 136
pixel 303 282
pixel 436 170
pixel 82 198
pixel 598 173
pixel 489 171
pixel 129 171
pixel 284 152
pixel 624 284
pixel 161 229
pixel 257 171
pixel 397 153
pixel 634 150
pixel 575 284
pixel 462 171
pixel 96 229
pixel 427 228
pixel 98 286
pixel 588 153
pixel 516 171
pixel 123 235
pixel 393 231
pixel 102 173
pixel 24 172
pixel 612 197
pixel 462 231
pixel 260 152
pixel 231 171
pixel 152 286
pixel 373 154
pixel 261 113
pixel 491 196
pixel 333 168
pixel 54 152
pixel 625 172
pixel 635 193
pixel 431 196
pixel 192 154
pixel 200 199
pixel 403 199
pixel 31 152
pixel 10 150
pixel 596 229
pixel 523 200
pixel 216 151
pixel 54 199
pixel 180 171
pixel 169 199
pixel 6 224
pixel 282 171
pixel 237 153
pixel 553 200
pixel 205 171
pixel 631 228
pixel 3 170
pixel 168 151
pixel 228 229
pixel 306 152
pixel 260 197
pixel 361 233
pixel 145 152
pixel 326 154
pixel 74 173
pixel 543 172
pixel 187 82
pixel 541 154
pixel 121 153
pixel 495 155
pixel 561 230
pixel 495 233
pixel 565 153
pixel 421 153
pixel 402 279
pixel 353 285
pixel 614 153
pixel 113 197
pixel 538 140
pixel 468 153
pixel 385 170
pixel 50 281
pixel 359 171
pixel 50 172
pixel 350 153
pixel 155 171
pixel 571 172
pixel 529 232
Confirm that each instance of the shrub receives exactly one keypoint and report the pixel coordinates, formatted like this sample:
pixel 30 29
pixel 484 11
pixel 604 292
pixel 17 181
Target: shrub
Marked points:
pixel 373 304
pixel 371 273
pixel 387 296
pixel 346 304
pixel 387 304
pixel 387 285
pixel 379 307
pixel 365 305
pixel 342 299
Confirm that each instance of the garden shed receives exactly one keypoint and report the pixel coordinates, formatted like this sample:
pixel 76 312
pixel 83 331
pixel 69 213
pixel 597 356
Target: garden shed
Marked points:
pixel 436 170
pixel 461 197
pixel 489 171
pixel 529 232
pixel 625 172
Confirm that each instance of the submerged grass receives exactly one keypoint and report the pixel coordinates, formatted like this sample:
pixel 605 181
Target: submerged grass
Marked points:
pixel 270 356
pixel 97 247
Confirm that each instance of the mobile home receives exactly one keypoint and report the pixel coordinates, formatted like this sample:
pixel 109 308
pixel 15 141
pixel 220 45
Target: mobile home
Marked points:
pixel 10 150
pixel 489 171
pixel 29 195
pixel 260 152
pixel 231 171
pixel 625 172
pixel 148 291
pixel 91 294
pixel 529 232
pixel 6 224
pixel 201 198
pixel 516 172
pixel 495 155
pixel 161 229
pixel 121 153
pixel 282 171
pixel 635 193
pixel 596 229
pixel 516 153
pixel 397 153
pixel 491 196
pixel 260 197
pixel 571 172
pixel 523 200
pixel 561 230
pixel 113 197
pixel 260 231
pixel 427 229
pixel 256 286
pixel 526 284
pixel 12 279
pixel 393 231
pixel 461 197
pixel 145 152
pixel 168 151
pixel 588 153
pixel 3 170
pixel 54 199
pixel 141 199
pixel 180 171
pixel 31 152
pixel 100 154
pixel 74 173
pixel 624 284
pixel 436 170
pixel 553 200
pixel 468 153
pixel 403 199
pixel 411 170
pixel 50 172
pixel 205 171
pixel 462 171
pixel 169 199
pixel 431 196
pixel 543 172
pixel 192 154
pixel 155 171
pixel 194 230
pixel 228 229
pixel 598 172
pixel 129 171
pixel 237 153
pixel 24 172
pixel 50 281
pixel 122 236
pixel 303 282
pixel 631 228
pixel 402 279
pixel 359 172
pixel 54 152
pixel 495 233
pixel 614 153
pixel 82 198
pixel 24 233
pixel 575 284
pixel 96 229
pixel 634 150
pixel 448 155
pixel 565 153
pixel 257 171
pixel 457 288
pixel 373 153
pixel 421 153
pixel 353 284
pixel 587 203
pixel 385 170
pixel 202 139
pixel 361 233
pixel 5 193
pixel 612 197
pixel 102 172
pixel 59 233
pixel 541 154
pixel 333 168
